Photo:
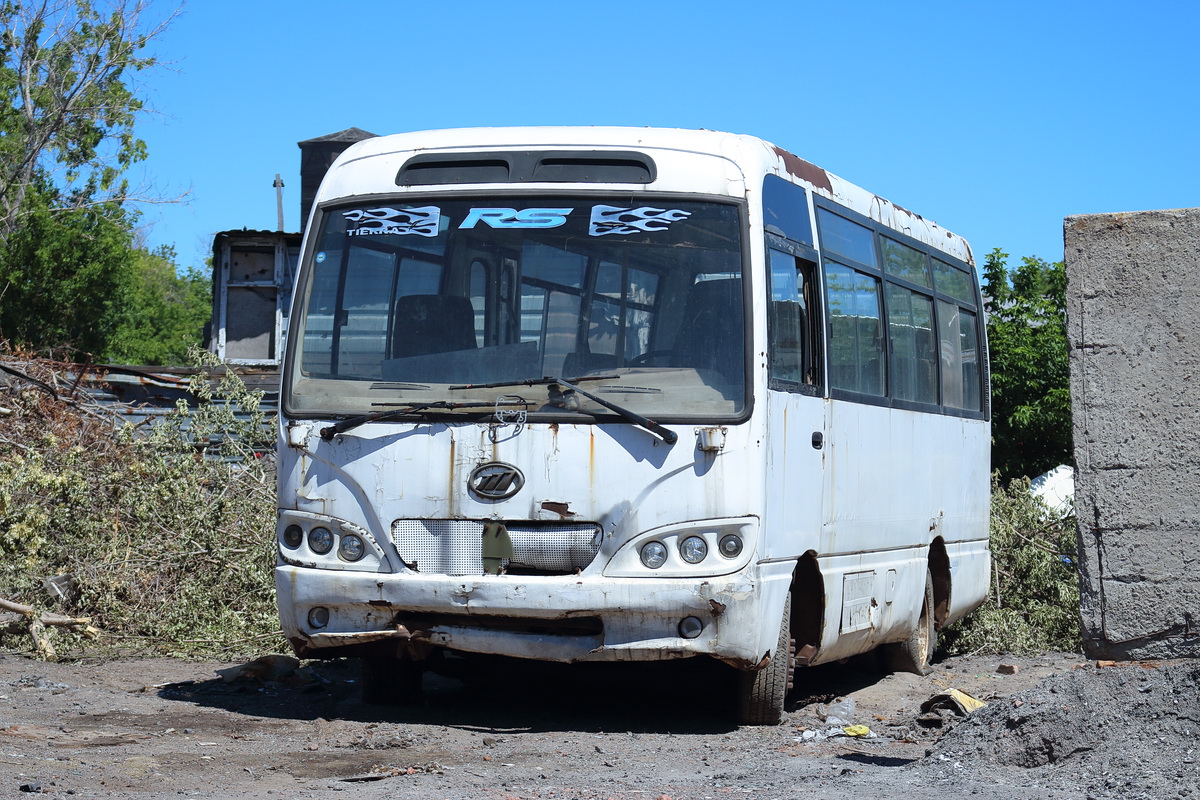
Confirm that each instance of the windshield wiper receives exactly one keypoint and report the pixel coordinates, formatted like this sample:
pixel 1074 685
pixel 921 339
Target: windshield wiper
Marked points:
pixel 534 382
pixel 668 436
pixel 333 430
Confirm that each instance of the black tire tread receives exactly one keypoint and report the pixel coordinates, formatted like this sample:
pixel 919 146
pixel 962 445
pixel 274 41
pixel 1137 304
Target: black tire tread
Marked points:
pixel 763 693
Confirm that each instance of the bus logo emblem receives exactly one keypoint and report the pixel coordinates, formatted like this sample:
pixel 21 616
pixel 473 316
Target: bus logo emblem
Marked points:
pixel 495 480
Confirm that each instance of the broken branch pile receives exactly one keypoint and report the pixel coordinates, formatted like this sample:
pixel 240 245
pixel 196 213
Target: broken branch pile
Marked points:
pixel 161 528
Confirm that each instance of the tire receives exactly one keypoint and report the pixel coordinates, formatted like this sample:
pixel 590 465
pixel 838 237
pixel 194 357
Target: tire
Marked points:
pixel 761 694
pixel 915 653
pixel 390 681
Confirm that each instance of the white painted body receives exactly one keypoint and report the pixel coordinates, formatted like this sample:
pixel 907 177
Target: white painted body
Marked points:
pixel 885 484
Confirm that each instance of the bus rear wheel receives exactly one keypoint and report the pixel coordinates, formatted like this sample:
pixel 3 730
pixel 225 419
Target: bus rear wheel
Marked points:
pixel 762 693
pixel 914 654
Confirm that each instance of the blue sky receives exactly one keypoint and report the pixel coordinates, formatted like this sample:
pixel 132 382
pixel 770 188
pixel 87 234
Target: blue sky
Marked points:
pixel 994 119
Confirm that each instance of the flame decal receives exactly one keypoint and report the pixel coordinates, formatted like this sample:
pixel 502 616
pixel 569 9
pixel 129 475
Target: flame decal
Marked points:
pixel 375 221
pixel 614 219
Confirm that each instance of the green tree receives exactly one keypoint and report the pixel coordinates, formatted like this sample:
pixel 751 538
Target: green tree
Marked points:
pixel 1027 340
pixel 68 262
pixel 165 314
pixel 65 278
pixel 67 113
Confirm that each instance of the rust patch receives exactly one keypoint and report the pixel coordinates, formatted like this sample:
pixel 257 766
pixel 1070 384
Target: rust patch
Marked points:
pixel 900 208
pixel 300 645
pixel 554 507
pixel 805 171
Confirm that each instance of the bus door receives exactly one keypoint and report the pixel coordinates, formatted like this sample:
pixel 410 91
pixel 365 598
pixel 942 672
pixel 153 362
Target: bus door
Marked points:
pixel 797 408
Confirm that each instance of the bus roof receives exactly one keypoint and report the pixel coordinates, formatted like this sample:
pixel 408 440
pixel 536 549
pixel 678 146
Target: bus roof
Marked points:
pixel 754 157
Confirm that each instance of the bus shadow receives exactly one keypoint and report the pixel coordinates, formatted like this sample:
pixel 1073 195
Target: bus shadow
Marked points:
pixel 825 683
pixel 490 694
pixel 498 694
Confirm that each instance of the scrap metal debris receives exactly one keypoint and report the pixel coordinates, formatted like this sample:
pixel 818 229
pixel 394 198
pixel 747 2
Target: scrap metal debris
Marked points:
pixel 935 710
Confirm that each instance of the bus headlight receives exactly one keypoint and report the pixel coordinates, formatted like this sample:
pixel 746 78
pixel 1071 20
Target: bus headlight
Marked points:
pixel 653 554
pixel 293 535
pixel 351 548
pixel 693 549
pixel 730 545
pixel 320 540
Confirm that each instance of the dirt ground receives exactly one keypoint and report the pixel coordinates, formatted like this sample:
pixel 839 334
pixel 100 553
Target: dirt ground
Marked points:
pixel 1057 728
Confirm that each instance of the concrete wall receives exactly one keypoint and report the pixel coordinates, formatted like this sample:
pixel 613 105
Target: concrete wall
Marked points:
pixel 1133 305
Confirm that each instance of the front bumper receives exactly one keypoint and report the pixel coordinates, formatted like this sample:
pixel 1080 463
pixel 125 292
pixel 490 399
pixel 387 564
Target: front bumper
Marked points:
pixel 563 618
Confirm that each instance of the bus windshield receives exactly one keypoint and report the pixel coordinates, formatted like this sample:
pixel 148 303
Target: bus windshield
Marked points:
pixel 457 302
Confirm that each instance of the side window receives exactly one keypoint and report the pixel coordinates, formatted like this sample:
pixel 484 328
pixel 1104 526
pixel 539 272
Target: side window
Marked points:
pixel 840 235
pixel 959 356
pixel 954 282
pixel 856 349
pixel 913 350
pixel 793 323
pixel 929 356
pixel 785 210
pixel 904 262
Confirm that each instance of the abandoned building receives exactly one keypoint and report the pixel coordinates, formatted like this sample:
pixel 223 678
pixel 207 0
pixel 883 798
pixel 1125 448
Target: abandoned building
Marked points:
pixel 253 271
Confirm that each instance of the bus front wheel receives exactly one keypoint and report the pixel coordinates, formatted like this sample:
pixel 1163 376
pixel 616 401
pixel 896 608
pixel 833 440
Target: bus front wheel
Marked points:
pixel 914 654
pixel 762 693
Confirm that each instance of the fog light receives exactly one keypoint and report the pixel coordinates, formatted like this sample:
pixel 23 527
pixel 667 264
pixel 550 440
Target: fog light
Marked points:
pixel 320 540
pixel 693 549
pixel 318 617
pixel 351 548
pixel 730 545
pixel 653 554
pixel 690 627
pixel 293 535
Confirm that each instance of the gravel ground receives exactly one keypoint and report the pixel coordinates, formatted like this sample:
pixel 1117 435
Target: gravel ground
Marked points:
pixel 1126 730
pixel 1058 727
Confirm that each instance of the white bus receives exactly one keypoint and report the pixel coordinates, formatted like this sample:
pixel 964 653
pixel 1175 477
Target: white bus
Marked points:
pixel 617 394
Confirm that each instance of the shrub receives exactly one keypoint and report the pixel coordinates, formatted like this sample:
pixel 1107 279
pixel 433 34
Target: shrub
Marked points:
pixel 165 529
pixel 1034 601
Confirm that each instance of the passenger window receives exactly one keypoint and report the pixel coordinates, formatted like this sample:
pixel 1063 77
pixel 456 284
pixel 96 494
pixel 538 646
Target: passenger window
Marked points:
pixel 954 282
pixel 792 326
pixel 840 235
pixel 856 361
pixel 960 357
pixel 904 262
pixel 913 351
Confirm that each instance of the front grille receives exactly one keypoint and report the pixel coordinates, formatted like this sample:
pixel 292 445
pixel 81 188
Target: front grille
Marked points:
pixel 454 546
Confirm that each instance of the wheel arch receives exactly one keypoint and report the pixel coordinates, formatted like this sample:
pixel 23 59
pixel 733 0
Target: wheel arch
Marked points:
pixel 808 608
pixel 939 568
